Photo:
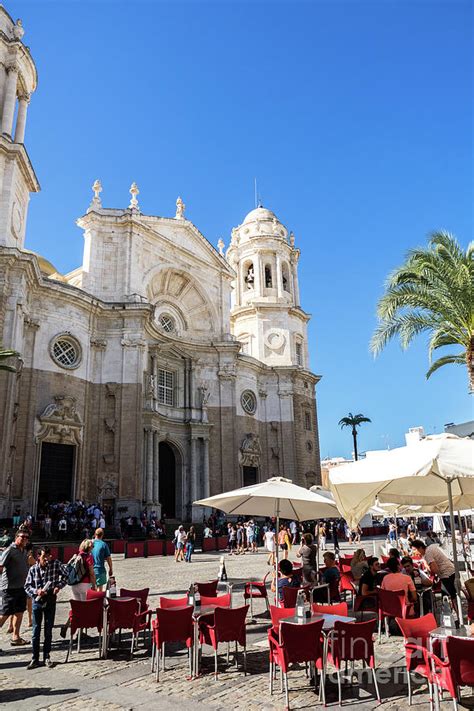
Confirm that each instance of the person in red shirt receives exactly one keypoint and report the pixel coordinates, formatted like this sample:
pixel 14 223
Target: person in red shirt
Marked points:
pixel 394 581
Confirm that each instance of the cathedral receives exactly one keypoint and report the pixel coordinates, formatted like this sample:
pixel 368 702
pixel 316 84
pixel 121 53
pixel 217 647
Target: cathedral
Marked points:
pixel 162 369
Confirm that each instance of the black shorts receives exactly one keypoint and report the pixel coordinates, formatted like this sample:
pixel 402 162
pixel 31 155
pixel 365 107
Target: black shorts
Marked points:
pixel 448 586
pixel 283 546
pixel 13 601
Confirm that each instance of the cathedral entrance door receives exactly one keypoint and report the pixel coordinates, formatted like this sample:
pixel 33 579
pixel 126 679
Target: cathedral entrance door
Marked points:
pixel 250 475
pixel 167 492
pixel 56 473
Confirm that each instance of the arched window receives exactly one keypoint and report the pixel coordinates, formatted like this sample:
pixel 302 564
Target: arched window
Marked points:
pixel 299 357
pixel 268 276
pixel 249 275
pixel 285 277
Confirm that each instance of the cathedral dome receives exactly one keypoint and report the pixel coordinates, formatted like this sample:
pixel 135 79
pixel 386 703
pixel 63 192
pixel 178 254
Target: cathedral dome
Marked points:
pixel 260 213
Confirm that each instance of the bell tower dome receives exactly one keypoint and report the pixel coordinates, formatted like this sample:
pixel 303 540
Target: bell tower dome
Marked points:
pixel 18 81
pixel 266 315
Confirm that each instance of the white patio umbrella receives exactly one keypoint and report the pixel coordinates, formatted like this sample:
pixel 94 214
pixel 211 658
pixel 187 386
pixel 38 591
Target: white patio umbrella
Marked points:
pixel 277 497
pixel 436 474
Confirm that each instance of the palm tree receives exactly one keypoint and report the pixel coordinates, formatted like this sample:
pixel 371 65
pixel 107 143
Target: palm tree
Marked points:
pixel 354 421
pixel 5 354
pixel 432 292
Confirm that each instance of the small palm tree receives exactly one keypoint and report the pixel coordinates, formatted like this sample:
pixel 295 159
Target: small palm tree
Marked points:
pixel 432 292
pixel 5 354
pixel 353 421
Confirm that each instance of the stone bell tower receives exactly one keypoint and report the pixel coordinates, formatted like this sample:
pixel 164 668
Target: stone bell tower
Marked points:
pixel 18 81
pixel 266 316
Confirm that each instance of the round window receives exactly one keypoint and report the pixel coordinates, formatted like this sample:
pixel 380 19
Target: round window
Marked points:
pixel 167 323
pixel 248 402
pixel 65 351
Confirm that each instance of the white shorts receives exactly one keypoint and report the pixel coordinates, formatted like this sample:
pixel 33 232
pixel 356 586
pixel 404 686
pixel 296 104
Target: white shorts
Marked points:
pixel 79 591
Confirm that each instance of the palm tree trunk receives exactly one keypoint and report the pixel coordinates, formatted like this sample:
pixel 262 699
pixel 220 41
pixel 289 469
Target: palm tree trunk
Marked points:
pixel 354 437
pixel 470 364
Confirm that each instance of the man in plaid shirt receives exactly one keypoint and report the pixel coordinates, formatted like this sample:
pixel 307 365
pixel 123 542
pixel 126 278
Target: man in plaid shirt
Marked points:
pixel 45 579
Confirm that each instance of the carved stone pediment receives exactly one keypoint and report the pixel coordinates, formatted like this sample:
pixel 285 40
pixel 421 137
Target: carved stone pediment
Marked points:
pixel 59 422
pixel 250 451
pixel 107 487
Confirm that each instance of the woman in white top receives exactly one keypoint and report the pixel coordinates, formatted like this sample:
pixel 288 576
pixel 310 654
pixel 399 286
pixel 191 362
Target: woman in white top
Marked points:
pixel 270 545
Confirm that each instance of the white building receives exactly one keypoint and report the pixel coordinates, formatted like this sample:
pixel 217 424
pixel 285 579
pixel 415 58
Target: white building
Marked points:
pixel 161 369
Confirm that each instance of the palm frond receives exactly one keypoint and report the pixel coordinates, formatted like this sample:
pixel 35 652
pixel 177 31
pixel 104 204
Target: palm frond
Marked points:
pixel 445 360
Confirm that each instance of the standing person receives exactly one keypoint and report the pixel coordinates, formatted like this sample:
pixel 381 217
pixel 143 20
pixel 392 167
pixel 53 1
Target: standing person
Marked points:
pixel 392 534
pixel 240 539
pixel 282 541
pixel 62 528
pixel 308 552
pixel 322 536
pixel 14 569
pixel 190 543
pixel 45 579
pixel 47 526
pixel 232 539
pixel 335 536
pixel 440 565
pixel 270 545
pixel 180 543
pixel 101 555
pixel 87 582
pixel 412 528
pixel 294 532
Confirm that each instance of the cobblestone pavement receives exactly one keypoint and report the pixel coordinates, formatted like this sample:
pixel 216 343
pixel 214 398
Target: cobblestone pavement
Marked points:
pixel 120 683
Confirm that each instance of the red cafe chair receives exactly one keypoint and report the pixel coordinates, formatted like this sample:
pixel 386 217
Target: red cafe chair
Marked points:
pixel 122 615
pixel 346 585
pixel 167 603
pixel 290 594
pixel 171 626
pixel 228 626
pixel 141 595
pixel 392 603
pixel 216 600
pixel 95 594
pixel 416 635
pixel 85 614
pixel 297 644
pixel 461 664
pixel 256 590
pixel 208 589
pixel 339 608
pixel 351 642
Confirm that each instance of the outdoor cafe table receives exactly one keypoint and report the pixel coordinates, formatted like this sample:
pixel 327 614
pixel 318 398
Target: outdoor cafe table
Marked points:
pixel 442 633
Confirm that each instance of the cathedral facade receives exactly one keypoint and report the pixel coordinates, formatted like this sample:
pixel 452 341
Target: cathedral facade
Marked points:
pixel 161 370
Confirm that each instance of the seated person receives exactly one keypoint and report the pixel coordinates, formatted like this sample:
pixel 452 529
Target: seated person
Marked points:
pixel 286 577
pixel 358 564
pixel 394 553
pixel 395 580
pixel 331 575
pixel 307 552
pixel 368 581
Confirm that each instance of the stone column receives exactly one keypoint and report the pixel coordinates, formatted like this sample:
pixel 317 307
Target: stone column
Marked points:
pixel 296 288
pixel 23 102
pixel 257 268
pixel 156 468
pixel 194 472
pixel 9 100
pixel 149 466
pixel 205 476
pixel 3 79
pixel 278 276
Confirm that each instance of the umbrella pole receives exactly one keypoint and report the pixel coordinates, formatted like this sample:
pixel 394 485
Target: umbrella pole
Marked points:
pixel 277 512
pixel 457 579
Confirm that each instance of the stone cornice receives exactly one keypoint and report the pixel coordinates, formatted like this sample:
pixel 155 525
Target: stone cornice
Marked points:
pixel 250 309
pixel 17 151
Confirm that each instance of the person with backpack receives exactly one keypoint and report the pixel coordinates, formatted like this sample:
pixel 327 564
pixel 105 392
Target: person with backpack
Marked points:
pixel 81 576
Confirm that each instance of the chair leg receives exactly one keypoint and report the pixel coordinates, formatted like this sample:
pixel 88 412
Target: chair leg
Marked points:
pixel 455 705
pixel 228 653
pixel 387 631
pixel 377 692
pixel 79 640
pixel 322 686
pixel 152 658
pixel 287 692
pixel 245 659
pixel 380 629
pixel 215 664
pixel 409 688
pixel 69 649
pixel 190 655
pixel 157 663
pixel 236 651
pixel 270 679
pixel 281 681
pixel 132 646
pixel 163 655
pixel 339 686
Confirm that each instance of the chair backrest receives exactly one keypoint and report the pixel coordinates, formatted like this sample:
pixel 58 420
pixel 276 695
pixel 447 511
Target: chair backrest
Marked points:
pixel 229 624
pixel 384 559
pixel 217 601
pixel 173 625
pixel 353 640
pixel 417 630
pixel 95 594
pixel 302 643
pixel 121 613
pixel 346 582
pixel 339 608
pixel 209 589
pixel 279 613
pixel 141 595
pixel 461 658
pixel 86 613
pixel 391 602
pixel 168 602
pixel 344 567
pixel 290 594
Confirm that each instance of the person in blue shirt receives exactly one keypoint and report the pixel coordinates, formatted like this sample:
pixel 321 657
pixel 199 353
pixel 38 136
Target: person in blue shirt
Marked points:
pixel 101 556
pixel 331 575
pixel 286 578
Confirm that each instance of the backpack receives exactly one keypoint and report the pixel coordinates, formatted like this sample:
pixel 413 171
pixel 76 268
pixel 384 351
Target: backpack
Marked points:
pixel 76 569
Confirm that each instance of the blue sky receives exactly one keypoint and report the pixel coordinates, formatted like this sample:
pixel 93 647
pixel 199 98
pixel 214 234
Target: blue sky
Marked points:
pixel 355 117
